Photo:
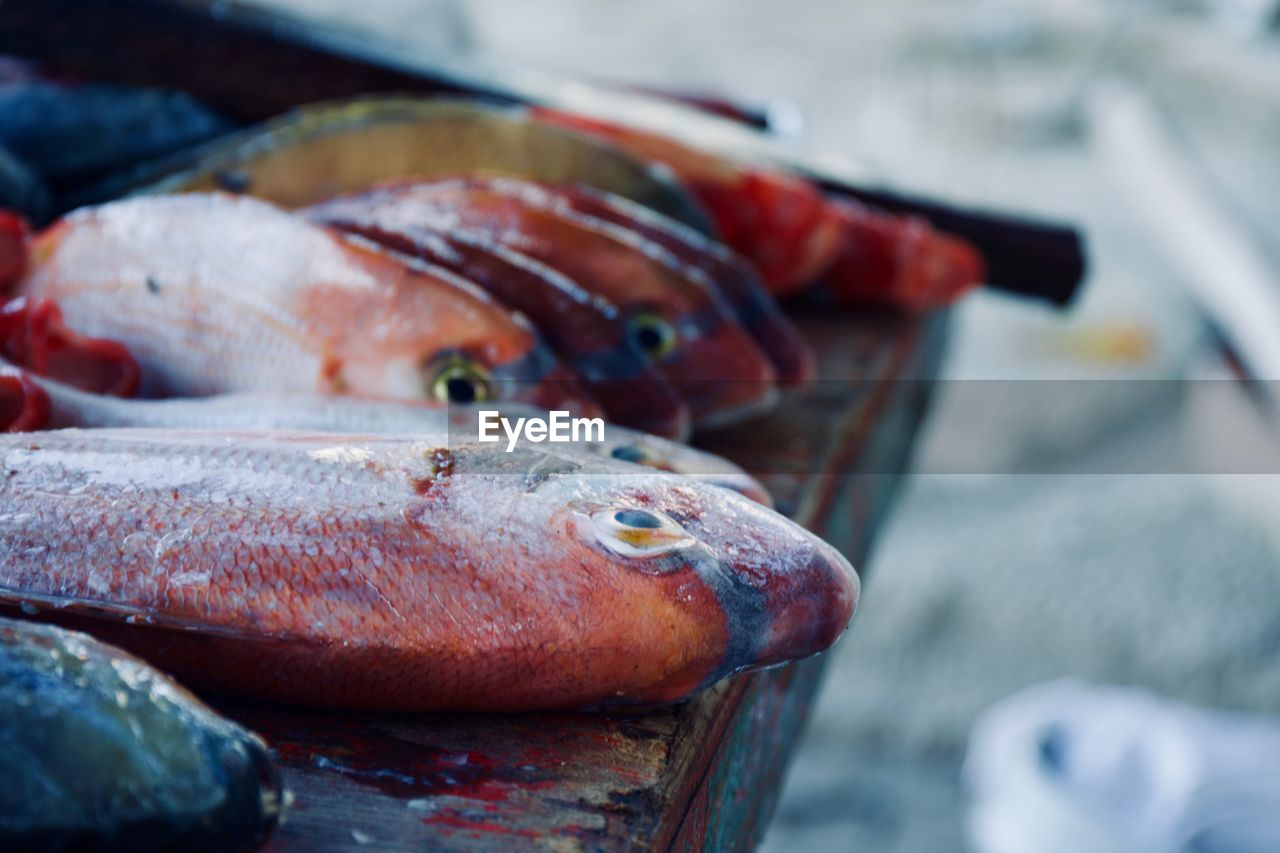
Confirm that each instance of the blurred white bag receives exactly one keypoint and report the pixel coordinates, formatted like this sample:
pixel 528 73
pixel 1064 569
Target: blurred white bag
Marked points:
pixel 1067 767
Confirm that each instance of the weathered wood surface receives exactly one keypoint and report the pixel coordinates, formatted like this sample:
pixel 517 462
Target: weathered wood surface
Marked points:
pixel 704 774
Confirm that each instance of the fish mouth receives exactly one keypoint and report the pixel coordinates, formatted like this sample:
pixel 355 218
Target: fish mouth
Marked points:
pixel 789 615
pixel 782 604
pixel 811 607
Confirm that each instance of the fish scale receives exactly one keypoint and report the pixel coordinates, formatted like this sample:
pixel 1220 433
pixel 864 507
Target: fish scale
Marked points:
pixel 465 585
pixel 715 365
pixel 219 293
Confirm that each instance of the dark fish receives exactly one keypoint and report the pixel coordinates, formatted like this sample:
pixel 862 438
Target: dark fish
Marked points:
pixel 98 751
pixel 70 132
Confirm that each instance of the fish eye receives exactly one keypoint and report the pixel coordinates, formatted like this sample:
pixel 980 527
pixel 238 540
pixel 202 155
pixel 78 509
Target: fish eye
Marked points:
pixel 458 379
pixel 629 453
pixel 652 334
pixel 639 519
pixel 638 532
pixel 641 456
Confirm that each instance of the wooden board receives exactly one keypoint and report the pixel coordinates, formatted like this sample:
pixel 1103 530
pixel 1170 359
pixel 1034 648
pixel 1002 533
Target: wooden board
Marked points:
pixel 702 774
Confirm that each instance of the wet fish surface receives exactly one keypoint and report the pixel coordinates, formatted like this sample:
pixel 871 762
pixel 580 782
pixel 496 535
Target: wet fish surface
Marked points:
pixel 396 573
pixel 585 329
pixel 680 320
pixel 98 751
pixel 735 278
pixel 216 293
pixel 25 396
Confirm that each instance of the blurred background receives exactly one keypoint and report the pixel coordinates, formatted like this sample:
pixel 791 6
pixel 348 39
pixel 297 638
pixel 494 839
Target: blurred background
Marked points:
pixel 1094 534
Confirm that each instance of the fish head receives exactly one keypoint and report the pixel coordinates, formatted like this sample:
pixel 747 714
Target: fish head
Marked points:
pixel 473 375
pixel 715 365
pixel 720 582
pixel 475 350
pixel 583 329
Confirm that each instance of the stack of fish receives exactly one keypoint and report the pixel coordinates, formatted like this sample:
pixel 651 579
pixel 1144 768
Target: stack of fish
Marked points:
pixel 298 507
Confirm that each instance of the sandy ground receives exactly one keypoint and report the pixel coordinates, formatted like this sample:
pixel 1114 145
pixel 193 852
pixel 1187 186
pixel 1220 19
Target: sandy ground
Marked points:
pixel 994 578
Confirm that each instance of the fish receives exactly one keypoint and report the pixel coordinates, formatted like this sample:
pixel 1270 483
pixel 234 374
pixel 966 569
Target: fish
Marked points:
pixel 214 293
pixel 101 752
pixel 74 132
pixel 799 238
pixel 680 321
pixel 37 403
pixel 584 329
pixel 395 573
pixel 735 278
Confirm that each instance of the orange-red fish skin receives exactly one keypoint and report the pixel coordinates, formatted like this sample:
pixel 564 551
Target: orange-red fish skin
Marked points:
pixel 778 222
pixel 897 261
pixel 583 329
pixel 795 235
pixel 397 574
pixel 215 293
pixel 731 274
pixel 716 366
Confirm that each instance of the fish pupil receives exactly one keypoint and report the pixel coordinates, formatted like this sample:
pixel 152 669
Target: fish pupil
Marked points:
pixel 637 518
pixel 628 454
pixel 649 338
pixel 652 334
pixel 461 389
